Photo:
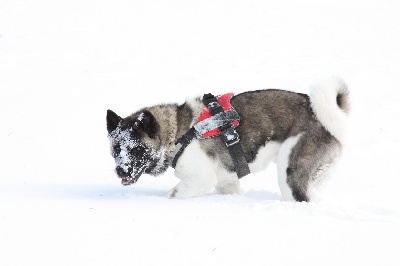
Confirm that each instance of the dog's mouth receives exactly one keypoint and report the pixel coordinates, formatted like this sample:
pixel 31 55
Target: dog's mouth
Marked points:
pixel 129 180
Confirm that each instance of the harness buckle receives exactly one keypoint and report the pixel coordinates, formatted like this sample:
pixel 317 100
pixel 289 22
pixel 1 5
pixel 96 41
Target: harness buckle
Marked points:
pixel 212 104
pixel 230 136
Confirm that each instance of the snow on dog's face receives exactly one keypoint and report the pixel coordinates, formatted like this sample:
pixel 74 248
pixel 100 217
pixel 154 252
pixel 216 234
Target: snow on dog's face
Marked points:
pixel 133 142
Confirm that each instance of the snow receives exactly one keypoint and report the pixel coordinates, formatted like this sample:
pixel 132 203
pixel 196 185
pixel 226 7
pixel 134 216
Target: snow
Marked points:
pixel 64 63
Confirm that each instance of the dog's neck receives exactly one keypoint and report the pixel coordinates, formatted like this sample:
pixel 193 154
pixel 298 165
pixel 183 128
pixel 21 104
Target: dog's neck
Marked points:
pixel 174 121
pixel 187 115
pixel 165 117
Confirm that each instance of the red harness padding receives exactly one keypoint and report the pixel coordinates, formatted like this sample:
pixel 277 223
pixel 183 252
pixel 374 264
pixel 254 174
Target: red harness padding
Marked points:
pixel 225 102
pixel 217 115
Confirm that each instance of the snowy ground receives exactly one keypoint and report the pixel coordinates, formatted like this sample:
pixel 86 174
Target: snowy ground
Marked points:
pixel 64 63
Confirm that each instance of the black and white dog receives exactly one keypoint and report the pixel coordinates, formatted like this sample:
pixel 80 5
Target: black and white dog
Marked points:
pixel 303 133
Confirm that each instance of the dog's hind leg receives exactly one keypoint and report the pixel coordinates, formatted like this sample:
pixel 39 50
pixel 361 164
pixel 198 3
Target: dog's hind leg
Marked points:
pixel 283 164
pixel 306 161
pixel 196 171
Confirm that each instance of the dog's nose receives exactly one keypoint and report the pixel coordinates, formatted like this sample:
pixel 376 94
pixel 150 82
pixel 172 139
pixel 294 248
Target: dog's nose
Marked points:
pixel 120 172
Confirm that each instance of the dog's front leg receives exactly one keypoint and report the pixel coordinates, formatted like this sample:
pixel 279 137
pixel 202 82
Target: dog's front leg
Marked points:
pixel 196 171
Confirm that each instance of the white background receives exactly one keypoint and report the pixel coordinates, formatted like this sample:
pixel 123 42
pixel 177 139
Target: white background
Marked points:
pixel 64 63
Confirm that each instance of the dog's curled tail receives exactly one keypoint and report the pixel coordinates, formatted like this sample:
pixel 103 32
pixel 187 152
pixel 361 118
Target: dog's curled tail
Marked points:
pixel 331 104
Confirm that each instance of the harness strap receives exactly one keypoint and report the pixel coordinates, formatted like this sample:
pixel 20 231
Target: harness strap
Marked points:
pixel 223 121
pixel 216 121
pixel 230 137
pixel 182 143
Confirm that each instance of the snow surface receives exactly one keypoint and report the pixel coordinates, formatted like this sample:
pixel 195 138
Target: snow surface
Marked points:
pixel 64 63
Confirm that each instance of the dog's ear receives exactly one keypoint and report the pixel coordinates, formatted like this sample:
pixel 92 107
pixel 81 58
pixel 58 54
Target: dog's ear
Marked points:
pixel 146 122
pixel 112 121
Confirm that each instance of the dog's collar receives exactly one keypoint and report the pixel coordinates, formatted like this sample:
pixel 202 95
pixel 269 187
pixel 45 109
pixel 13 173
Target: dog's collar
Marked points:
pixel 218 118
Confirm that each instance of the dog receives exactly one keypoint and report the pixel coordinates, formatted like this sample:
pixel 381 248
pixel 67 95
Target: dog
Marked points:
pixel 304 134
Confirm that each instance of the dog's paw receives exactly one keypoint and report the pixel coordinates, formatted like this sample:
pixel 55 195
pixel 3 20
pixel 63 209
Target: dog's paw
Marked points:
pixel 229 188
pixel 178 192
pixel 172 193
pixel 184 191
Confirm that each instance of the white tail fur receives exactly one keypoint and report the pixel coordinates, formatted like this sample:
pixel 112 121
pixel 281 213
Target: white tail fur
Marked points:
pixel 330 102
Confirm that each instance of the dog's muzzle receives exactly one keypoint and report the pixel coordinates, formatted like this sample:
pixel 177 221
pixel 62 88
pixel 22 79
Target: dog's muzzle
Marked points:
pixel 128 181
pixel 126 177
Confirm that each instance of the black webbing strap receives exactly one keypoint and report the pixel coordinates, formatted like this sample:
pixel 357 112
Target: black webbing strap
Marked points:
pixel 230 137
pixel 182 143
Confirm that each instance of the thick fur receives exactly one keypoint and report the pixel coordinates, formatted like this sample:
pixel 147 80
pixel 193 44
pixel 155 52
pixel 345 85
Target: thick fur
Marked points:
pixel 303 134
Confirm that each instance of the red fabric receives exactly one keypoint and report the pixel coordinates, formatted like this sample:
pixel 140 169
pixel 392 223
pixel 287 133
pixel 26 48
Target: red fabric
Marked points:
pixel 225 102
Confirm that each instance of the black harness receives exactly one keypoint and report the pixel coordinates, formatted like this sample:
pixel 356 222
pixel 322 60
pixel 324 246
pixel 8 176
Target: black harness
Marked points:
pixel 223 121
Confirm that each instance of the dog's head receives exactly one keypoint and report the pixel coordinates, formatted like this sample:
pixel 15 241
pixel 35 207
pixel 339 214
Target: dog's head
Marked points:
pixel 135 144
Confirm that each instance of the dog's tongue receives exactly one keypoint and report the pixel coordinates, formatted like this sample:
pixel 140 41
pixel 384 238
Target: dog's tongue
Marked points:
pixel 131 179
pixel 127 181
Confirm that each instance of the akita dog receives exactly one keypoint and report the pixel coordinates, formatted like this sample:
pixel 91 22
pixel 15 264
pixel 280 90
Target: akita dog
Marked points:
pixel 304 134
